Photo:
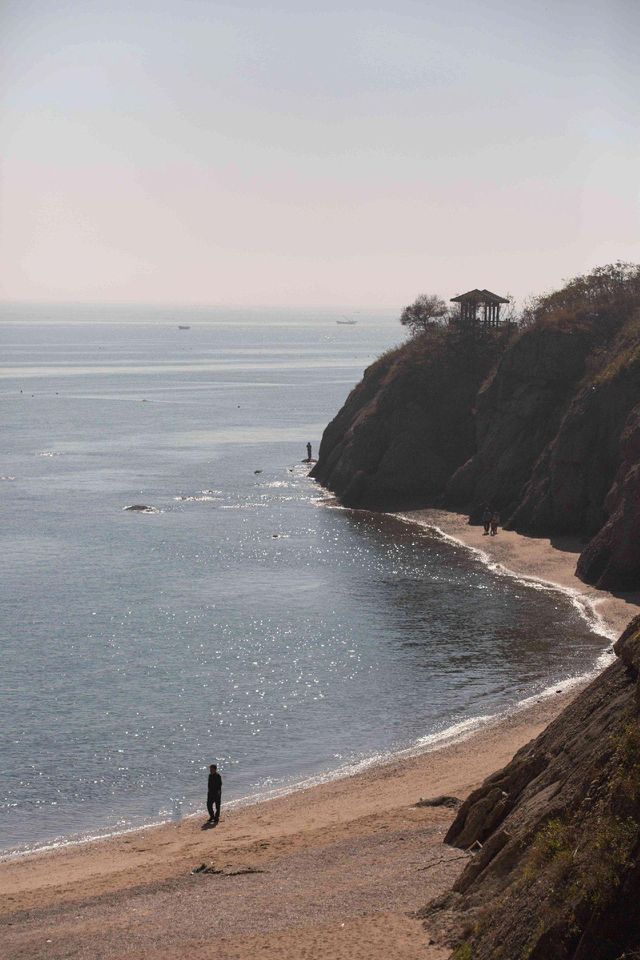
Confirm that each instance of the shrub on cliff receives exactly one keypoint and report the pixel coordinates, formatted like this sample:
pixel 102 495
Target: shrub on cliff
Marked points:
pixel 605 298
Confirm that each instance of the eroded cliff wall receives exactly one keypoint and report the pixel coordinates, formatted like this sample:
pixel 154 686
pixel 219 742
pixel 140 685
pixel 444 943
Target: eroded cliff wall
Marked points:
pixel 542 424
pixel 557 872
pixel 408 425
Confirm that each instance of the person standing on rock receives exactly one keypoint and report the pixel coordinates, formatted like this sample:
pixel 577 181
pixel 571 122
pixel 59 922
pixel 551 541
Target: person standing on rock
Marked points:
pixel 486 520
pixel 495 520
pixel 214 794
pixel 308 451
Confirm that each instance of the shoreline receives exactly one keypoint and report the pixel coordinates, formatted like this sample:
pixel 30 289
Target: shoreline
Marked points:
pixel 535 561
pixel 76 897
pixel 459 732
pixel 454 734
pixel 349 856
pixel 453 528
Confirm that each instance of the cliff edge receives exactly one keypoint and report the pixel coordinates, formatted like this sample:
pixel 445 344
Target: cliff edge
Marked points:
pixel 541 422
pixel 408 426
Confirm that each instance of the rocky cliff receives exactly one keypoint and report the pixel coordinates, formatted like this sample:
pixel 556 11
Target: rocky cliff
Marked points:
pixel 556 875
pixel 541 422
pixel 612 558
pixel 408 426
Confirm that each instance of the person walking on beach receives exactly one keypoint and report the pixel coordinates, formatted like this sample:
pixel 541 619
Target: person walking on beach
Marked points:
pixel 214 793
pixel 308 451
pixel 495 520
pixel 486 520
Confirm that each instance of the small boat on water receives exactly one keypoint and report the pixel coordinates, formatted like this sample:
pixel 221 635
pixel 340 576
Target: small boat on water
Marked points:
pixel 347 323
pixel 182 326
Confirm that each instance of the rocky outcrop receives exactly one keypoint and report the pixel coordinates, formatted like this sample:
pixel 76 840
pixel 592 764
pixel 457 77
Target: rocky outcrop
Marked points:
pixel 542 425
pixel 518 413
pixel 612 558
pixel 407 426
pixel 571 484
pixel 557 872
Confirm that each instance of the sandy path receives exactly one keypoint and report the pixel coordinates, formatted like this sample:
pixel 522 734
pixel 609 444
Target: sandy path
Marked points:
pixel 341 866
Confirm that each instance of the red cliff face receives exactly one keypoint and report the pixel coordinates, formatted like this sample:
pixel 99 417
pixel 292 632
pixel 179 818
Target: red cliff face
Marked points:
pixel 541 424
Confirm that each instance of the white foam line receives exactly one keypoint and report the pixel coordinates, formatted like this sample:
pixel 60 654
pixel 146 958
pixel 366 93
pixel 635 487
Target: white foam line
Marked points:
pixel 429 743
pixel 455 733
pixel 583 603
pixel 62 843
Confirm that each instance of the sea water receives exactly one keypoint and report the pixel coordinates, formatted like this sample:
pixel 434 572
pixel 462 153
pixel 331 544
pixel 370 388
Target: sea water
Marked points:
pixel 240 619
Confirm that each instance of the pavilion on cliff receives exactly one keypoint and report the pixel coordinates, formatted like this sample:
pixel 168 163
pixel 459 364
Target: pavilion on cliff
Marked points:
pixel 470 313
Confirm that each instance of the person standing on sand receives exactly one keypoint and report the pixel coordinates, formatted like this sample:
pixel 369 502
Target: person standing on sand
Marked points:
pixel 214 793
pixel 308 451
pixel 486 520
pixel 495 520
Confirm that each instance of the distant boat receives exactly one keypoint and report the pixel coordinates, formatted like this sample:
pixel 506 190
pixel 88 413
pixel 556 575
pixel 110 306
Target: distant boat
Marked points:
pixel 347 323
pixel 182 326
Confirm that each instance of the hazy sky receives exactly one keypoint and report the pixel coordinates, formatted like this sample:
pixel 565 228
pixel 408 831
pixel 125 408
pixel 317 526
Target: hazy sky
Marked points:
pixel 289 153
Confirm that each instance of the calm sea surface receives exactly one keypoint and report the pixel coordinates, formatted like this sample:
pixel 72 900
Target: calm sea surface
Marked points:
pixel 242 620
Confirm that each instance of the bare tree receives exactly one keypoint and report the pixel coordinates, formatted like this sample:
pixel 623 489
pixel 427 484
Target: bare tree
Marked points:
pixel 426 310
pixel 510 312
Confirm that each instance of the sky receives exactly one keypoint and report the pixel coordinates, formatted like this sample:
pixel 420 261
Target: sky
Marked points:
pixel 344 154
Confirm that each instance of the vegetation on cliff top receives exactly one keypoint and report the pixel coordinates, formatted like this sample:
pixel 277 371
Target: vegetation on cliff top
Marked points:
pixel 606 297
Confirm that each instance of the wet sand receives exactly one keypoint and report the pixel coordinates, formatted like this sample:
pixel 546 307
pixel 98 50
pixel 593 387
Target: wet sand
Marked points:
pixel 333 871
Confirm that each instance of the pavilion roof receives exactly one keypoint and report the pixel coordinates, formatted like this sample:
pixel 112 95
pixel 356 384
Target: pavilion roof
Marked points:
pixel 479 296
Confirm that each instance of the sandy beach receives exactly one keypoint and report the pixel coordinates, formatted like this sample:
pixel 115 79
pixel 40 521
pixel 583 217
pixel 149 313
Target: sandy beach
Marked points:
pixel 334 871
